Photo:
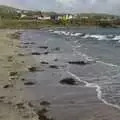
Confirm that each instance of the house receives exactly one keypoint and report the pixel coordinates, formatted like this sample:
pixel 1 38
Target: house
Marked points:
pixel 55 17
pixel 23 15
pixel 43 17
pixel 46 17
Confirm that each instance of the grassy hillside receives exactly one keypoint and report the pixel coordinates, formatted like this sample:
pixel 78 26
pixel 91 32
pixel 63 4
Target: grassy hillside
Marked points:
pixel 7 12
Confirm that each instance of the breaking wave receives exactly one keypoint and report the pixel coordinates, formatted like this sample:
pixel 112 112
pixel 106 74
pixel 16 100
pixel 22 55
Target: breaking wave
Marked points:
pixel 98 90
pixel 87 36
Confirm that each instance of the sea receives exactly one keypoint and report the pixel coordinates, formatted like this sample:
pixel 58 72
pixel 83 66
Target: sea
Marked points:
pixel 100 47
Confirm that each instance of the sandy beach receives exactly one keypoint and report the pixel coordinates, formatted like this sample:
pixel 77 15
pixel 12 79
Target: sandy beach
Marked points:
pixel 13 105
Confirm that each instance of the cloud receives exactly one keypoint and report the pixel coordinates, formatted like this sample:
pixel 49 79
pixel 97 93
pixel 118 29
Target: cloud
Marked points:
pixel 106 6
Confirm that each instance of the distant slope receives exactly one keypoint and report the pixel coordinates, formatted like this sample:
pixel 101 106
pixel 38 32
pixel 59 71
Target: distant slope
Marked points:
pixel 7 12
pixel 10 12
pixel 98 15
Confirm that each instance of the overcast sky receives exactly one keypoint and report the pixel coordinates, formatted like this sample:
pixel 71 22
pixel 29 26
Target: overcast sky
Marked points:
pixel 103 6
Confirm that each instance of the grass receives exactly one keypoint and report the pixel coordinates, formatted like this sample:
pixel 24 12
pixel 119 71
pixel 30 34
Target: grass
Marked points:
pixel 37 24
pixel 25 24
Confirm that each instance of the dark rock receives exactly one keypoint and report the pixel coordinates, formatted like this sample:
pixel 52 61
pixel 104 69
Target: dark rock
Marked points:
pixel 10 58
pixel 22 61
pixel 20 105
pixel 42 111
pixel 53 66
pixel 8 86
pixel 56 60
pixel 13 73
pixel 20 54
pixel 69 81
pixel 9 102
pixel 83 34
pixel 45 103
pixel 43 62
pixel 41 114
pixel 43 47
pixel 36 53
pixel 30 104
pixel 78 62
pixel 2 97
pixel 32 43
pixel 32 69
pixel 46 53
pixel 24 46
pixel 23 79
pixel 29 83
pixel 57 49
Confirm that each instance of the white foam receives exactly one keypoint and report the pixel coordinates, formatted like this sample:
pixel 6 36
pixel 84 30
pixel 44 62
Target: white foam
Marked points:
pixel 75 34
pixel 98 90
pixel 50 30
pixel 86 36
pixel 65 33
pixel 108 64
pixel 116 37
pixel 61 33
pixel 99 37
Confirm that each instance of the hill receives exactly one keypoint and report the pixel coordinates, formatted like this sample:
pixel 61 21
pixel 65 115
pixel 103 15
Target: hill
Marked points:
pixel 7 12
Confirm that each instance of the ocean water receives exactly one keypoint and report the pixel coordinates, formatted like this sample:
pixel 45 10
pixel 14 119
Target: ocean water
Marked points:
pixel 99 46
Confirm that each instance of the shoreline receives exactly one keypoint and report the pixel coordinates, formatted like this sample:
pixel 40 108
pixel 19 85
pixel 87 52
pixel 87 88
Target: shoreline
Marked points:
pixel 98 91
pixel 14 89
pixel 13 67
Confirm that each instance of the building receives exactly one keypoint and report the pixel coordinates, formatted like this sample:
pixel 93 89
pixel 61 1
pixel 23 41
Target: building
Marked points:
pixel 43 17
pixel 55 17
pixel 23 15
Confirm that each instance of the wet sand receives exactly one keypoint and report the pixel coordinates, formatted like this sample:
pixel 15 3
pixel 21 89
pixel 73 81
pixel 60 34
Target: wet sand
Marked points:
pixel 69 102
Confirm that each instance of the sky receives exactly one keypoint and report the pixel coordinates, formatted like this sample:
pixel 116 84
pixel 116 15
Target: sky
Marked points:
pixel 73 6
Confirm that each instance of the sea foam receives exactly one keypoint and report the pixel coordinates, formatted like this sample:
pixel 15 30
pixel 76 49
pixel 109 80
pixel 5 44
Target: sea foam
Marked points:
pixel 98 90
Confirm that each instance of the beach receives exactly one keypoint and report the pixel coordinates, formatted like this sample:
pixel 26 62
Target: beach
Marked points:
pixel 12 67
pixel 45 78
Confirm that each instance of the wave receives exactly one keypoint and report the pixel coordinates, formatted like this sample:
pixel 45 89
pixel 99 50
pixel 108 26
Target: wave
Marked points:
pixel 87 36
pixel 61 33
pixel 76 34
pixel 108 64
pixel 116 37
pixel 66 33
pixel 98 90
pixel 94 85
pixel 99 37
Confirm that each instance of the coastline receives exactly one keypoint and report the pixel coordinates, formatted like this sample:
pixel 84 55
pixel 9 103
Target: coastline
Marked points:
pixel 83 105
pixel 13 66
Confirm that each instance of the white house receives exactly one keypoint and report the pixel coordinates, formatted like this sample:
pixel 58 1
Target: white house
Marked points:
pixel 43 17
pixel 23 15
